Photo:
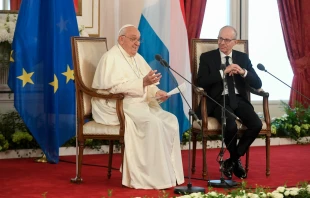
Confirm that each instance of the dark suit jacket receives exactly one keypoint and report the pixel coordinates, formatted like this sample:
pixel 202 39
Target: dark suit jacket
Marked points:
pixel 209 77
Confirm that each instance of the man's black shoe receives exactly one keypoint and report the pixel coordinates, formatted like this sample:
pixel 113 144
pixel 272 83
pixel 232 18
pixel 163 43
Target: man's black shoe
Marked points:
pixel 238 170
pixel 227 168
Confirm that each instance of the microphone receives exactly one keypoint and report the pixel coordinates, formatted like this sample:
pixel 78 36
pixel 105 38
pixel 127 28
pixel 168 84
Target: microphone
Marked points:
pixel 161 60
pixel 158 57
pixel 165 64
pixel 262 68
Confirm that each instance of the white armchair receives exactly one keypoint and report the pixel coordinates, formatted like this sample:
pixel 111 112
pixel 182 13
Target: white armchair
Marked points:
pixel 210 126
pixel 86 53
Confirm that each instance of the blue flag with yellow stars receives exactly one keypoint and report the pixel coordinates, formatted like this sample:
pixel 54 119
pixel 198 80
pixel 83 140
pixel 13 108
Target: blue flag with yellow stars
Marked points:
pixel 41 72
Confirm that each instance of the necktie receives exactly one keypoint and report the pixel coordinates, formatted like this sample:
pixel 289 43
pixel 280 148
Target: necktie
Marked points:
pixel 231 88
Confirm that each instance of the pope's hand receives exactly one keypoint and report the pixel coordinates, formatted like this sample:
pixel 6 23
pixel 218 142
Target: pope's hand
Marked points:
pixel 161 96
pixel 151 78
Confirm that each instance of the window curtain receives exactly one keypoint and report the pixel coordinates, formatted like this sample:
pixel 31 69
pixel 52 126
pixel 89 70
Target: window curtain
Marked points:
pixel 295 21
pixel 15 4
pixel 194 13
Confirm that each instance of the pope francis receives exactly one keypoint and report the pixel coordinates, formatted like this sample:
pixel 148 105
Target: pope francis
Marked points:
pixel 152 158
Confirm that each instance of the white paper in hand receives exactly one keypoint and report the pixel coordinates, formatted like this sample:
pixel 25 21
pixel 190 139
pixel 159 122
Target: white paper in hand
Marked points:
pixel 182 87
pixel 176 90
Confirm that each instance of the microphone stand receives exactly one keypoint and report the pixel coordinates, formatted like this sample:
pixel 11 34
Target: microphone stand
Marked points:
pixel 222 183
pixel 215 183
pixel 189 188
pixel 262 68
pixel 165 64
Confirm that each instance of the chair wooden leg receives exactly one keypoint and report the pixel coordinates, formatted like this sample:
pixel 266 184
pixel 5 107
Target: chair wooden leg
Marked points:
pixel 267 155
pixel 122 154
pixel 78 179
pixel 247 160
pixel 110 158
pixel 204 157
pixel 194 141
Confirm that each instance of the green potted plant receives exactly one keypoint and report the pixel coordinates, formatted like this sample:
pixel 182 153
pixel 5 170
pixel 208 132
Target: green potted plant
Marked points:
pixel 295 123
pixel 14 133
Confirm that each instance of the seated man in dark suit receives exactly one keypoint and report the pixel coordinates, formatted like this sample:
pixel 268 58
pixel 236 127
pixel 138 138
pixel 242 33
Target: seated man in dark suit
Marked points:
pixel 239 74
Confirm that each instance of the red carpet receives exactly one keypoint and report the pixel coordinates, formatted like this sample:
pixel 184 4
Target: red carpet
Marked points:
pixel 25 178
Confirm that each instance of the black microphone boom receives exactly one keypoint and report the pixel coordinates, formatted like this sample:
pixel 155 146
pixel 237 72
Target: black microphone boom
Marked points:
pixel 262 68
pixel 215 183
pixel 165 64
pixel 188 188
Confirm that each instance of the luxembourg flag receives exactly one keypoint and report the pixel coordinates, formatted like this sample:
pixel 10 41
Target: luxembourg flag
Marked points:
pixel 163 32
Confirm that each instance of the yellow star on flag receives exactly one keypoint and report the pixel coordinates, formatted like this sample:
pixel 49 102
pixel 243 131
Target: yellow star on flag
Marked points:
pixel 26 77
pixel 69 74
pixel 54 83
pixel 11 57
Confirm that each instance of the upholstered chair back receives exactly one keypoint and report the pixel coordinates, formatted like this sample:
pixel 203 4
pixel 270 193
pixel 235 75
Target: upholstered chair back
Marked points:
pixel 86 54
pixel 210 126
pixel 89 52
pixel 200 46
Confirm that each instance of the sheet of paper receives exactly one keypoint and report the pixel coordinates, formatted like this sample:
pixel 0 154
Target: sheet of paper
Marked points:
pixel 176 90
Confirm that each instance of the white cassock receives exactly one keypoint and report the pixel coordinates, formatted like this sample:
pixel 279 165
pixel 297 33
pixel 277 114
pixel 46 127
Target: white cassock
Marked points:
pixel 152 158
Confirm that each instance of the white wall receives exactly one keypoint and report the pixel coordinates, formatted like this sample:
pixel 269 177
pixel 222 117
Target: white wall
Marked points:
pixel 275 108
pixel 115 14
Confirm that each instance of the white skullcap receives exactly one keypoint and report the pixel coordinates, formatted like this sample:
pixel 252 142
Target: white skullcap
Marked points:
pixel 127 25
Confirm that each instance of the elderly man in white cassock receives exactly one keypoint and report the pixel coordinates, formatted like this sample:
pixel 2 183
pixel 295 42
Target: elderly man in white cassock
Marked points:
pixel 152 158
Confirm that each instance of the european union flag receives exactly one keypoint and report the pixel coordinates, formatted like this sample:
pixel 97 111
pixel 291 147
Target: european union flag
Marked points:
pixel 41 72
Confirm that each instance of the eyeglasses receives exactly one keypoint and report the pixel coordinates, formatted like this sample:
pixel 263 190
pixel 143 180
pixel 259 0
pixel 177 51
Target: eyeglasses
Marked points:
pixel 226 41
pixel 134 40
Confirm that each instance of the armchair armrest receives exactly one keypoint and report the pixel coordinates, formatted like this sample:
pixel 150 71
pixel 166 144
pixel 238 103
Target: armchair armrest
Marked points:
pixel 94 93
pixel 204 115
pixel 265 95
pixel 118 97
pixel 119 103
pixel 259 92
pixel 198 90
